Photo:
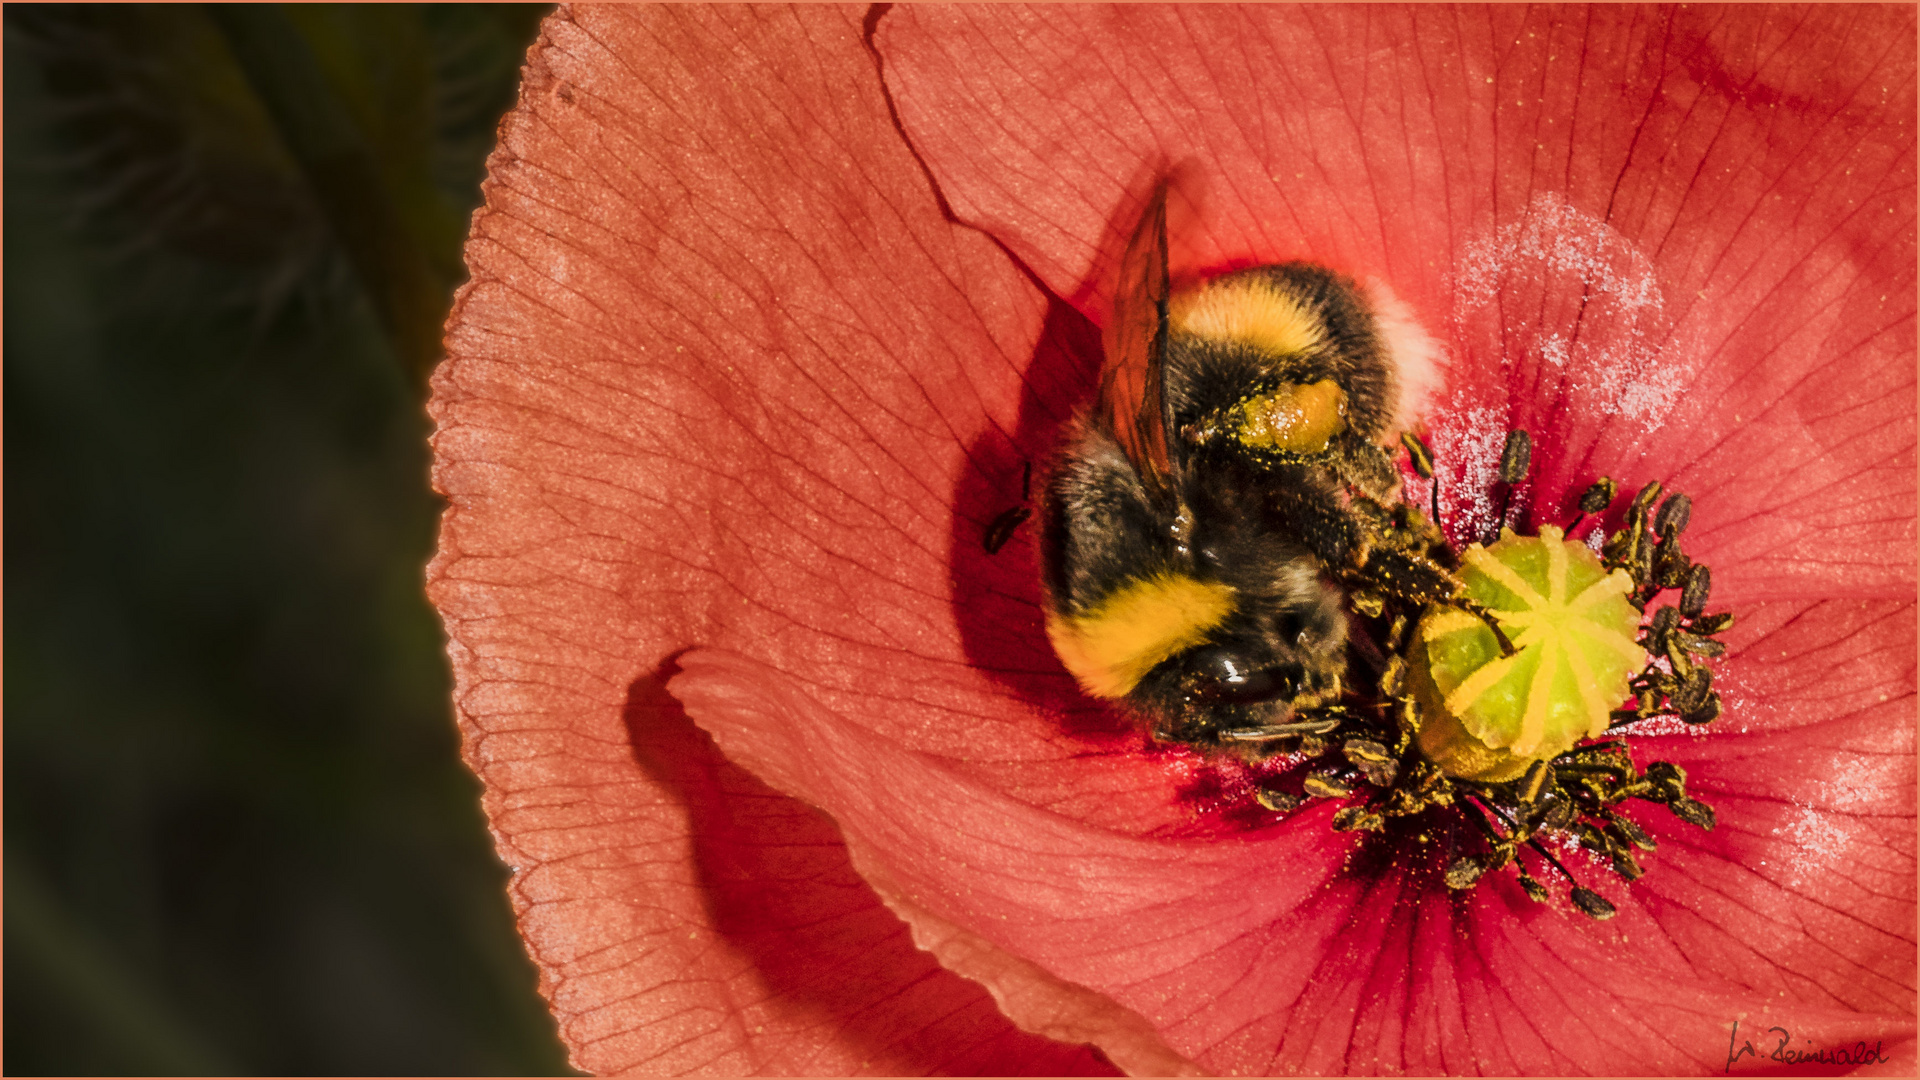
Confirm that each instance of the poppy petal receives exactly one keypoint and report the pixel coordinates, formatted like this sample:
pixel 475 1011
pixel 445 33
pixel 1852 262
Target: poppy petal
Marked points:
pixel 1287 949
pixel 727 379
pixel 1675 244
pixel 720 368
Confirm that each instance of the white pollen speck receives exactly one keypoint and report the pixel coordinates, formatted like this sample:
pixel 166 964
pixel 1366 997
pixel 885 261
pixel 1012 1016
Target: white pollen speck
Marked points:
pixel 1471 443
pixel 1819 841
pixel 1597 315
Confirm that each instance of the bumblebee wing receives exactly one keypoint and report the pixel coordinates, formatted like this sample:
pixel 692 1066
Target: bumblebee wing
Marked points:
pixel 1133 403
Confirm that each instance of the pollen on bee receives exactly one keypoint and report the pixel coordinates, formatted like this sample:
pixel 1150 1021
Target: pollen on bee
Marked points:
pixel 1298 418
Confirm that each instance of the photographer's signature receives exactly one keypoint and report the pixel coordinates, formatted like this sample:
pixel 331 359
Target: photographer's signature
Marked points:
pixel 1858 1054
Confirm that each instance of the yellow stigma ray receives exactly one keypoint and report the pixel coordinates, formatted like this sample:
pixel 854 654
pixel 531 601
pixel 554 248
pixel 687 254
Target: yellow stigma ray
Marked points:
pixel 1533 723
pixel 1479 559
pixel 1111 647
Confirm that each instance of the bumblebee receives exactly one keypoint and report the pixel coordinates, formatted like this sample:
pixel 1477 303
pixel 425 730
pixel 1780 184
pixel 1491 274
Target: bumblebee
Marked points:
pixel 1199 520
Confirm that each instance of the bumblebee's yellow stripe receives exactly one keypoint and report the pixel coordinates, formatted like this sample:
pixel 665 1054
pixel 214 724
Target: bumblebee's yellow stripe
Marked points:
pixel 1113 646
pixel 1250 310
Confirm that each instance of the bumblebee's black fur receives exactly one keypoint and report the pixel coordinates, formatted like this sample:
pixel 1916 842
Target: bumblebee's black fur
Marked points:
pixel 1275 528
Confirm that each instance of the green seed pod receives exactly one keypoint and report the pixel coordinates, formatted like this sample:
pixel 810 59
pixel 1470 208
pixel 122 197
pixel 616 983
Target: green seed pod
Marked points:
pixel 1486 717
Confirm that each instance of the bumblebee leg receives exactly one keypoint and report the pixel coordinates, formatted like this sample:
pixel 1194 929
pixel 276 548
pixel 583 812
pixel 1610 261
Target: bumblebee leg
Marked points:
pixel 1368 468
pixel 1269 732
pixel 1309 508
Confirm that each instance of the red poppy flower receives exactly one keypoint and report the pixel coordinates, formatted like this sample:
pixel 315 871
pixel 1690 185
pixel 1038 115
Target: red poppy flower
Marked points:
pixel 768 310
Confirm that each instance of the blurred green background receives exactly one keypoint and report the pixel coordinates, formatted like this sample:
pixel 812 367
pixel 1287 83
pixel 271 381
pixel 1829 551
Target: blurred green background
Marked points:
pixel 238 837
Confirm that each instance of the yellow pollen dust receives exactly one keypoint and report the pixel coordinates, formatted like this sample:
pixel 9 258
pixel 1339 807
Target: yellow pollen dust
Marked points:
pixel 1113 645
pixel 1486 716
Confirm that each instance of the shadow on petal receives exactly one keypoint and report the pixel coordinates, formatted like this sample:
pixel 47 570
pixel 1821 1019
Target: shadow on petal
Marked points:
pixel 830 980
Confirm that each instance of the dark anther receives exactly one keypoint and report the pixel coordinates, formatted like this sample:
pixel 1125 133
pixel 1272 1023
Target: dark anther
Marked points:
pixel 1642 561
pixel 1598 497
pixel 1277 801
pixel 1516 456
pixel 1672 566
pixel 1692 811
pixel 1534 889
pixel 1644 501
pixel 1326 786
pixel 1693 597
pixel 1421 454
pixel 1366 752
pixel 1664 620
pixel 1356 818
pixel 1705 714
pixel 1373 759
pixel 1592 839
pixel 1625 865
pixel 1699 646
pixel 1671 521
pixel 1514 459
pixel 1713 624
pixel 1632 833
pixel 1592 903
pixel 1682 663
pixel 1694 691
pixel 1394 677
pixel 1539 774
pixel 1669 780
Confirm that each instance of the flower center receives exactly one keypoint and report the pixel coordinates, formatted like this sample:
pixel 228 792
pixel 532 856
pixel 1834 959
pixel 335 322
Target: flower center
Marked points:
pixel 1485 715
pixel 1507 682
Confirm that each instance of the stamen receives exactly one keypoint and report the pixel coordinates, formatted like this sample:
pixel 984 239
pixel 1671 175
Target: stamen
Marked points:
pixel 1411 588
